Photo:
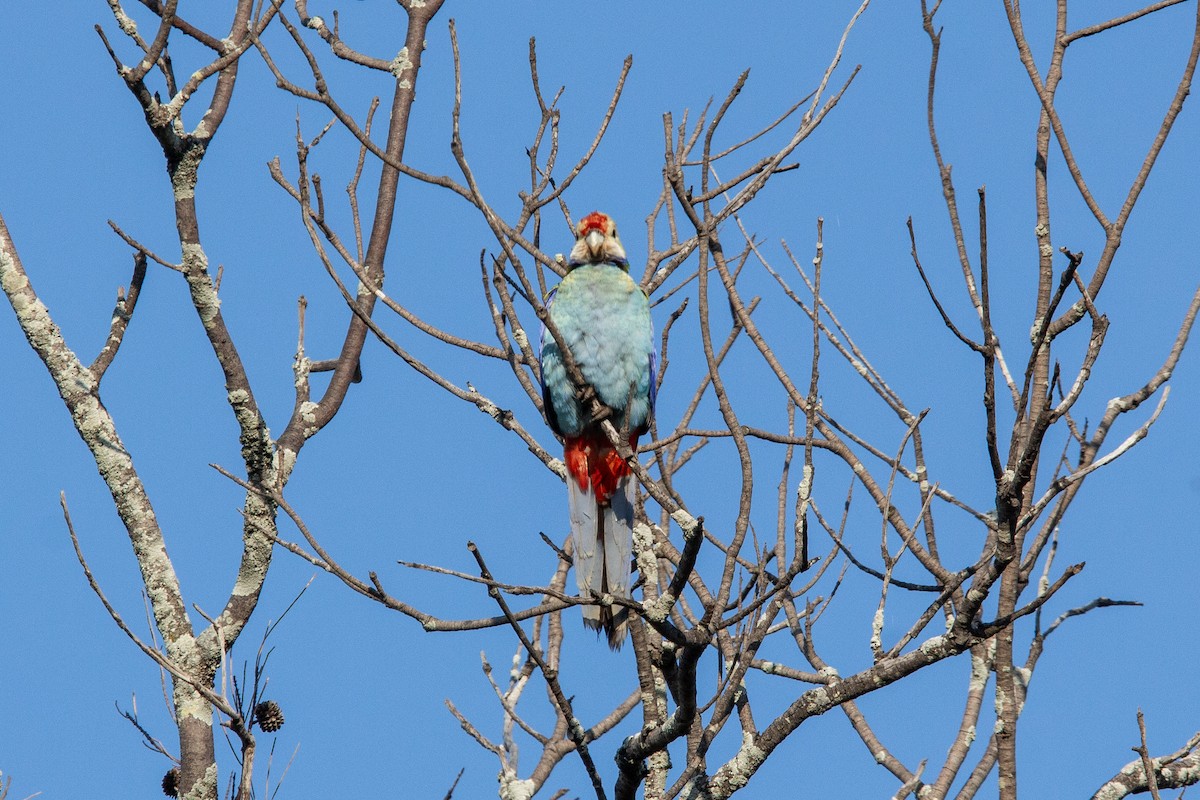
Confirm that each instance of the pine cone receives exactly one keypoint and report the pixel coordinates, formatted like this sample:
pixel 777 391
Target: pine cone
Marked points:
pixel 170 782
pixel 268 716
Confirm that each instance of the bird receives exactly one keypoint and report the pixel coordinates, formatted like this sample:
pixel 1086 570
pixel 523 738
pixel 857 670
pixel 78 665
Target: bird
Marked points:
pixel 602 317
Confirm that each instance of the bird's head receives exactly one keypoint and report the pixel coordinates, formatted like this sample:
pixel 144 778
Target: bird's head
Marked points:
pixel 597 243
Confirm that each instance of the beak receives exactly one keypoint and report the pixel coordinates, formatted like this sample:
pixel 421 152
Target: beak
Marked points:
pixel 595 243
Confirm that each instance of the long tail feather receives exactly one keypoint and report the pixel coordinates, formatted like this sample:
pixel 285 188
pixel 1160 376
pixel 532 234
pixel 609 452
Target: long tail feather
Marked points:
pixel 589 550
pixel 616 521
pixel 600 497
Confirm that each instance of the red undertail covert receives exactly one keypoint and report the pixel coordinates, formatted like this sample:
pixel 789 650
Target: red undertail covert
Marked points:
pixel 593 462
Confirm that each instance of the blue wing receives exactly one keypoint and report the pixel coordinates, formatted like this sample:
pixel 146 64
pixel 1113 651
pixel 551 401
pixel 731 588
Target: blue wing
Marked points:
pixel 547 402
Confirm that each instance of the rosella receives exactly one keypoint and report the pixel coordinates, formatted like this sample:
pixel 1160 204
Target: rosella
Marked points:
pixel 603 318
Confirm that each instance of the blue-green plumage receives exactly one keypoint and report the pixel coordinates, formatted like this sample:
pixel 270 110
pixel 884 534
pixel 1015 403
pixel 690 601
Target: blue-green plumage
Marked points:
pixel 604 318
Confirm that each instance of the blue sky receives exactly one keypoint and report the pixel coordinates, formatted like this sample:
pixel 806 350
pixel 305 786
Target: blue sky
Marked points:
pixel 406 472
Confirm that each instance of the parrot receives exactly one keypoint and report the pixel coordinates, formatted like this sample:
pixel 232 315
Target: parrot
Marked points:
pixel 603 317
